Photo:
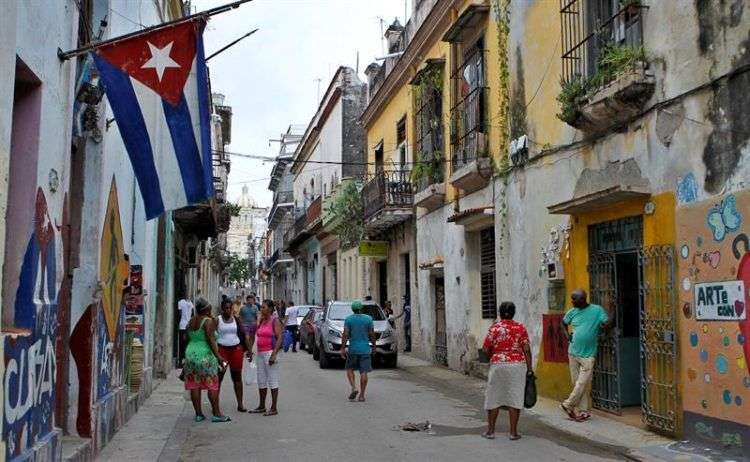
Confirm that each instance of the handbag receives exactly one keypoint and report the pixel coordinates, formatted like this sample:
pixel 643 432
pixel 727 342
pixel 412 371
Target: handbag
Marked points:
pixel 250 373
pixel 529 394
pixel 288 340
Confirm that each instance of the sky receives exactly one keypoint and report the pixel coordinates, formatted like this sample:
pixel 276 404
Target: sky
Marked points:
pixel 270 78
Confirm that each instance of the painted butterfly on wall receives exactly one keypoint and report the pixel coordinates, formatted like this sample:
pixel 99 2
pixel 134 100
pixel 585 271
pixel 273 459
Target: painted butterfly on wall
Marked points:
pixel 724 218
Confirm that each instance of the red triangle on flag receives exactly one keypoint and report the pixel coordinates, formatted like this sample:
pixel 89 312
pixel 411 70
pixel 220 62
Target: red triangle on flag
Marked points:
pixel 161 59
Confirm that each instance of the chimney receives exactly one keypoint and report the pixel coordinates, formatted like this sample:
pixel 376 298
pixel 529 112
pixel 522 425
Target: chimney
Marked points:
pixel 393 36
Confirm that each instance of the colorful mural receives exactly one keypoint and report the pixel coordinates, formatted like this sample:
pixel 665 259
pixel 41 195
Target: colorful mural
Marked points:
pixel 30 361
pixel 714 274
pixel 555 341
pixel 113 266
pixel 114 272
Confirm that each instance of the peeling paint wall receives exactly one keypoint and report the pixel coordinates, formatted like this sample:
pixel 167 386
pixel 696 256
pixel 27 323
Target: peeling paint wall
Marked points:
pixel 689 153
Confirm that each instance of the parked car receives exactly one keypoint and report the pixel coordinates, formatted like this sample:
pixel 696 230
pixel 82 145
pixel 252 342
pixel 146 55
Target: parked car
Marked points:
pixel 302 311
pixel 327 345
pixel 307 328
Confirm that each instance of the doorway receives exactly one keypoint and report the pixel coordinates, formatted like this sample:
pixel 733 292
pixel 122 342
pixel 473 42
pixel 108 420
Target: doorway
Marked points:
pixel 382 282
pixel 441 335
pixel 635 373
pixel 613 275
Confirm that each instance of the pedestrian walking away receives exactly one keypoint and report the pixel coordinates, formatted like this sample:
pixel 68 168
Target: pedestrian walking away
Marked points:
pixel 290 324
pixel 507 345
pixel 359 331
pixel 586 319
pixel 268 340
pixel 406 314
pixel 203 362
pixel 233 346
pixel 249 316
pixel 186 312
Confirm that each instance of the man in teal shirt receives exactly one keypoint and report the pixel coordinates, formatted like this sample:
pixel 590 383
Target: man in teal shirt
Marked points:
pixel 587 319
pixel 358 329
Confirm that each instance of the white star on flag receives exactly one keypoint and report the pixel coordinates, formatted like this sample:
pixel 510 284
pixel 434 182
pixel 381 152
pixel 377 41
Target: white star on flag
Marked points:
pixel 160 59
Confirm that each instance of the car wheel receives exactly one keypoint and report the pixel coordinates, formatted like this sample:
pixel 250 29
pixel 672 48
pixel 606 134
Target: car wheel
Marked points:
pixel 301 344
pixel 324 361
pixel 310 347
pixel 315 352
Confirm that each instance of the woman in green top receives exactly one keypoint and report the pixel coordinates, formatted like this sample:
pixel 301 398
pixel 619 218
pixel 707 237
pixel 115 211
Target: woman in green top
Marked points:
pixel 202 362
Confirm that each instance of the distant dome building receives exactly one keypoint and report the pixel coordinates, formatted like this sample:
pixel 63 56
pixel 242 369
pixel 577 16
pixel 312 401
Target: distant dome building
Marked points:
pixel 250 224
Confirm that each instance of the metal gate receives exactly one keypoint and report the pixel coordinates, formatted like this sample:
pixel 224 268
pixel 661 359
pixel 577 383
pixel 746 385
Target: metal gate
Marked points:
pixel 605 384
pixel 441 336
pixel 656 282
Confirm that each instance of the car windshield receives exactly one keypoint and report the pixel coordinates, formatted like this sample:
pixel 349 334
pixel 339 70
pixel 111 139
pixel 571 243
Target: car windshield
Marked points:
pixel 302 310
pixel 340 311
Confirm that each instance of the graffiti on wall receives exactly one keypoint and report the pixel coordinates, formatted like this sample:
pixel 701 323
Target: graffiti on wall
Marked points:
pixel 30 361
pixel 113 271
pixel 555 339
pixel 714 274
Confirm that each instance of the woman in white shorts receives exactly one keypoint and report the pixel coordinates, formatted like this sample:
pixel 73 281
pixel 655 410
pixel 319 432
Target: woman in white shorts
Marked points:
pixel 268 339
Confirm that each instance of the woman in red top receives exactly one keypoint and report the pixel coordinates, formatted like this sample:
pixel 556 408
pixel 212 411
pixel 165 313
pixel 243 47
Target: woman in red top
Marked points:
pixel 507 345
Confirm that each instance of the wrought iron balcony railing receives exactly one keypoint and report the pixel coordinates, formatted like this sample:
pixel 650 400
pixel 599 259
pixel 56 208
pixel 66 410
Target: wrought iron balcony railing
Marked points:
pixel 388 189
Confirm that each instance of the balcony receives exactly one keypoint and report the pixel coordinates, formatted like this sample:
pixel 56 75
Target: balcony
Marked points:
pixel 606 81
pixel 388 200
pixel 313 218
pixel 282 203
pixel 429 182
pixel 471 165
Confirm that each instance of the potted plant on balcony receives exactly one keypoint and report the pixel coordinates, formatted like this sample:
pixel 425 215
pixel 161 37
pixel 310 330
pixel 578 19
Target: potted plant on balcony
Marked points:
pixel 631 7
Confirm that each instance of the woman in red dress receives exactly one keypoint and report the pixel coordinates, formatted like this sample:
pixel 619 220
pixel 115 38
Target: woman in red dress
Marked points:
pixel 507 345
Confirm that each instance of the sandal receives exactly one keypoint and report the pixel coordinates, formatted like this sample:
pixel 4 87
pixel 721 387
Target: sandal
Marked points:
pixel 270 413
pixel 353 395
pixel 220 418
pixel 489 436
pixel 361 399
pixel 514 437
pixel 571 413
pixel 200 418
pixel 257 410
pixel 241 409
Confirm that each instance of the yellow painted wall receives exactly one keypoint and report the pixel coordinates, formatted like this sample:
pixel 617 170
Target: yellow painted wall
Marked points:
pixel 383 127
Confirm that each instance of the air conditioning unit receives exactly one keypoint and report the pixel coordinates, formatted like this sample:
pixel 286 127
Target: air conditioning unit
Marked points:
pixel 519 150
pixel 555 271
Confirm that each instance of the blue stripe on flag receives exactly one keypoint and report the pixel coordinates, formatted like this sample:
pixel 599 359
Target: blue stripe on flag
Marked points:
pixel 204 114
pixel 186 149
pixel 132 128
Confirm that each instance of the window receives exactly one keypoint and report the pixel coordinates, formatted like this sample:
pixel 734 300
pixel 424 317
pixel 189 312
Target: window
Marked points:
pixel 468 124
pixel 589 27
pixel 401 142
pixel 428 116
pixel 487 259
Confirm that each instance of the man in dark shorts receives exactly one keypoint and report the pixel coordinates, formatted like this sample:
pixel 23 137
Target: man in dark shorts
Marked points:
pixel 359 330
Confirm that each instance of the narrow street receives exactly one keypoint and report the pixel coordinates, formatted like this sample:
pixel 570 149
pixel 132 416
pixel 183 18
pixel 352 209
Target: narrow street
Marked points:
pixel 317 423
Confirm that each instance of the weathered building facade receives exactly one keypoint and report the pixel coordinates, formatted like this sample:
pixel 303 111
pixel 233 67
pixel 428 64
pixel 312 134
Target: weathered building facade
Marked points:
pixel 89 285
pixel 331 149
pixel 645 185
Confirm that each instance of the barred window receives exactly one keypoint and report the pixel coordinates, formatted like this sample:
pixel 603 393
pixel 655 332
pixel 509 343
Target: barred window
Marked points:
pixel 487 258
pixel 590 26
pixel 428 118
pixel 468 118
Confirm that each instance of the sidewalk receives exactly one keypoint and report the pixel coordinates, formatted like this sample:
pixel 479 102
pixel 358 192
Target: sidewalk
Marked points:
pixel 636 443
pixel 157 431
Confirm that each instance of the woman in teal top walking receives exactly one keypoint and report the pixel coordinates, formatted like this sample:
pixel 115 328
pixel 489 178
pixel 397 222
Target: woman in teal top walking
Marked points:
pixel 202 362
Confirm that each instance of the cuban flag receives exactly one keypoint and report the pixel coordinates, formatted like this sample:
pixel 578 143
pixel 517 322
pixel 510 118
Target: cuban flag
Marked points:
pixel 157 86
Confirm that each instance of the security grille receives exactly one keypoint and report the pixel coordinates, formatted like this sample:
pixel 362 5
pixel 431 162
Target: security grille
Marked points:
pixel 487 258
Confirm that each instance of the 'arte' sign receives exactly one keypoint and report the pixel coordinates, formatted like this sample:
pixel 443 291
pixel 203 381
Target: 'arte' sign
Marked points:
pixel 720 301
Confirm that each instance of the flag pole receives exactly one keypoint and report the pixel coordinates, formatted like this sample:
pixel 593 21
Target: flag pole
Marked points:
pixel 65 55
pixel 231 44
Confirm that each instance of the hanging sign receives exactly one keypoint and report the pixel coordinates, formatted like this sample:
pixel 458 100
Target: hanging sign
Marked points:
pixel 377 249
pixel 720 301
